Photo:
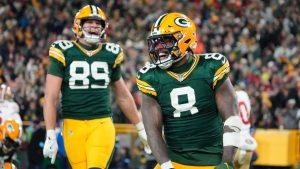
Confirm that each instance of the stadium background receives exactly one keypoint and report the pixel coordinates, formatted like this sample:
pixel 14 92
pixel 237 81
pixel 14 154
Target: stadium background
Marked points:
pixel 261 39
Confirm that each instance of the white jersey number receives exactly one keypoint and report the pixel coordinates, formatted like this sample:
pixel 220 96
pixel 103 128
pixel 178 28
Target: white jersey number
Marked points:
pixel 147 67
pixel 64 44
pixel 113 48
pixel 80 70
pixel 189 106
pixel 215 56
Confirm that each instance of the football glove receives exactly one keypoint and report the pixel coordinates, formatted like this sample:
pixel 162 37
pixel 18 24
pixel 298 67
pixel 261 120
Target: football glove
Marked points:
pixel 50 147
pixel 224 165
pixel 143 136
pixel 247 142
pixel 167 165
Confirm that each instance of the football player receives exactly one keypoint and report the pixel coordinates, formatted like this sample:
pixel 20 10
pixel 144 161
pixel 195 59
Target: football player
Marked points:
pixel 189 96
pixel 247 142
pixel 83 71
pixel 10 128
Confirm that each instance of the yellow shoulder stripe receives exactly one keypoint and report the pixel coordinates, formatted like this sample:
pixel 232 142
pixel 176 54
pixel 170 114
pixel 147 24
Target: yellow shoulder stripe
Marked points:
pixel 119 59
pixel 220 76
pixel 220 70
pixel 140 82
pixel 147 91
pixel 145 87
pixel 57 54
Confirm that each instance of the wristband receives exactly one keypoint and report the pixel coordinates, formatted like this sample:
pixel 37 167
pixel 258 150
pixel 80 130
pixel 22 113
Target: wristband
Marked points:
pixel 140 126
pixel 51 134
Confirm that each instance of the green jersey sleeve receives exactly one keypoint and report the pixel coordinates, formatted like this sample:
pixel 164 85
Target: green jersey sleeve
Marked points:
pixel 56 68
pixel 56 50
pixel 116 74
pixel 117 51
pixel 219 67
pixel 146 81
pixel 57 59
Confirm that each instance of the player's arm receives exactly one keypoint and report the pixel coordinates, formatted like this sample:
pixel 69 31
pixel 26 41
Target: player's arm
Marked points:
pixel 53 84
pixel 126 103
pixel 153 123
pixel 227 106
pixel 52 90
pixel 123 96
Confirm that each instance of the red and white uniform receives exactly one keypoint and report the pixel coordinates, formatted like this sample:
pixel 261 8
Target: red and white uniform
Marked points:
pixel 247 142
pixel 9 110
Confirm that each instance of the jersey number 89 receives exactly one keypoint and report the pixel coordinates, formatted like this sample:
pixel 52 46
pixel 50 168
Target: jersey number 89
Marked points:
pixel 86 70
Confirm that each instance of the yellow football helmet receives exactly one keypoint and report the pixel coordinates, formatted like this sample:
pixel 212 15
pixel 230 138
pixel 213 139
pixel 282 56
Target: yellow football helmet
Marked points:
pixel 11 129
pixel 89 12
pixel 8 165
pixel 172 36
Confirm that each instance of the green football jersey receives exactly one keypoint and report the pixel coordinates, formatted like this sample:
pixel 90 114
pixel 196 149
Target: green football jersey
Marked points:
pixel 86 75
pixel 192 123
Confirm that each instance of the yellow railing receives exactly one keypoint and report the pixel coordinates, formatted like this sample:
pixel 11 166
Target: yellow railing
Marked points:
pixel 275 147
pixel 278 147
pixel 120 128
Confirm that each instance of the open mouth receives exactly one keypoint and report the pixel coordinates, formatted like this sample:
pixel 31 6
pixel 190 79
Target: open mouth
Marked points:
pixel 163 55
pixel 93 33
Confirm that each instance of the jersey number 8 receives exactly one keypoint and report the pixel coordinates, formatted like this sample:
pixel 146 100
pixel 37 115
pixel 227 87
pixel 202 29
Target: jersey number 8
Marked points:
pixel 181 107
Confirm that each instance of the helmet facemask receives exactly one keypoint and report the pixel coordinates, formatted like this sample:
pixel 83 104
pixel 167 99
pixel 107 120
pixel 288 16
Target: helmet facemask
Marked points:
pixel 161 50
pixel 94 34
pixel 91 33
pixel 174 34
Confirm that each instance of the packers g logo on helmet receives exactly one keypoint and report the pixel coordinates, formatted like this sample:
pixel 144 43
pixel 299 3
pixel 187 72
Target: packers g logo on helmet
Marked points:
pixel 172 36
pixel 89 12
pixel 180 21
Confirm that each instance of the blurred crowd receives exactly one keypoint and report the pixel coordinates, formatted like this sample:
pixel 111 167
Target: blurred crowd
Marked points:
pixel 261 39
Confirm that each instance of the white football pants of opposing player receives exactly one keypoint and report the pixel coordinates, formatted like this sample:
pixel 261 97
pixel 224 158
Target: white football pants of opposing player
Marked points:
pixel 247 143
pixel 10 127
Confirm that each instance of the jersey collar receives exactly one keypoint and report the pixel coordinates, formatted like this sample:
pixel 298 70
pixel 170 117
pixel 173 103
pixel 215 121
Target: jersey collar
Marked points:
pixel 88 52
pixel 182 76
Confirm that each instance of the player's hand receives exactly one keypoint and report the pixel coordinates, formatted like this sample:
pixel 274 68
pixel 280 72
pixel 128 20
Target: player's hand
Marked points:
pixel 143 136
pixel 50 147
pixel 224 165
pixel 247 143
pixel 167 165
